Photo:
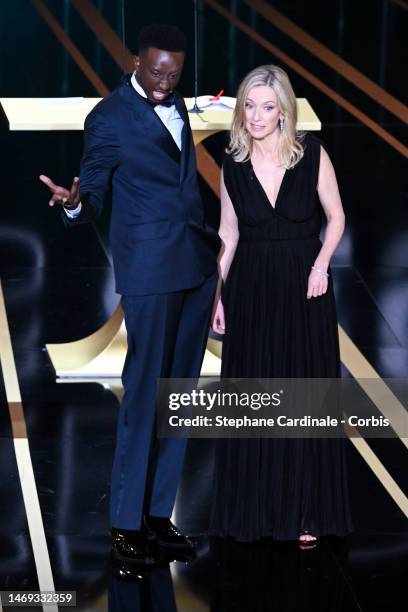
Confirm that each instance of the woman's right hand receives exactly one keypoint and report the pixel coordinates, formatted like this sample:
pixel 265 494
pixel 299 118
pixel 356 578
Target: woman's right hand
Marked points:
pixel 218 319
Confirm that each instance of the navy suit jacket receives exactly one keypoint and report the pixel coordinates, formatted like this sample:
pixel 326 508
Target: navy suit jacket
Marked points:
pixel 160 242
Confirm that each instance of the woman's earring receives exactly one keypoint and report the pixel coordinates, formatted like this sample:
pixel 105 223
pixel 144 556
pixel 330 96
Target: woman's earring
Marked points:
pixel 281 123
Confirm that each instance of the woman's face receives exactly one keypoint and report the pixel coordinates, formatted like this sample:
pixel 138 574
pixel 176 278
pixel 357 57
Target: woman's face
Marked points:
pixel 261 112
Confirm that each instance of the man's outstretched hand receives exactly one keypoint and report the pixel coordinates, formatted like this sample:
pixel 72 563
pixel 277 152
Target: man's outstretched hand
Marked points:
pixel 67 198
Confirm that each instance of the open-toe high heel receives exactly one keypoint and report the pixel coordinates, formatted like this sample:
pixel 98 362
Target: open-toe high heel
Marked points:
pixel 307 544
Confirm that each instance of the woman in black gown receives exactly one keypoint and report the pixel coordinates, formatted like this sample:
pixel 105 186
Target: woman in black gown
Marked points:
pixel 278 313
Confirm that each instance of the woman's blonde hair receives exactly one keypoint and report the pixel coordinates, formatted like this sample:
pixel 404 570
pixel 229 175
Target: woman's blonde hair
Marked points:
pixel 290 149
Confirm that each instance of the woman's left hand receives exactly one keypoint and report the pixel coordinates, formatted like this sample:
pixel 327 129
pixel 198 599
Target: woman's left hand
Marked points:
pixel 317 284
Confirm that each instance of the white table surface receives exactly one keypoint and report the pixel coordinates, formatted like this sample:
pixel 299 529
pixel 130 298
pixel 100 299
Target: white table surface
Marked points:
pixel 69 114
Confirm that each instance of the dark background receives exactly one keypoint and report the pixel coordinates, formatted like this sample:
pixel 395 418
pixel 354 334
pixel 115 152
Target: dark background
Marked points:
pixel 58 284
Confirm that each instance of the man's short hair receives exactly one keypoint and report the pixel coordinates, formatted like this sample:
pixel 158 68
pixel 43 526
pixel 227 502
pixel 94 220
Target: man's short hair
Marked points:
pixel 162 36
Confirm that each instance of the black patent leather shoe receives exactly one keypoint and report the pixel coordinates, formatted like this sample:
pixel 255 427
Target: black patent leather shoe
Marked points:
pixel 131 547
pixel 161 532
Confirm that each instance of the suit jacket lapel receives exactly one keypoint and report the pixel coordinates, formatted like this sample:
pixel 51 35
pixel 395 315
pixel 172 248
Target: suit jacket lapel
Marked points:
pixel 185 136
pixel 167 142
pixel 149 121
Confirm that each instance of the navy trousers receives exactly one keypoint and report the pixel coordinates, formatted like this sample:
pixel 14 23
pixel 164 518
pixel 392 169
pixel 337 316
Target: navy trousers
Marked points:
pixel 167 336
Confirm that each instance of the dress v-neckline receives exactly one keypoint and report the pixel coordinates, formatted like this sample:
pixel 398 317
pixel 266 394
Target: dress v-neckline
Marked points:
pixel 268 202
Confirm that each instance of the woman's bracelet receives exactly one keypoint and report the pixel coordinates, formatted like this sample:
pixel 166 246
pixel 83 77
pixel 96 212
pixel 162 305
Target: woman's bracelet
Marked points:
pixel 320 271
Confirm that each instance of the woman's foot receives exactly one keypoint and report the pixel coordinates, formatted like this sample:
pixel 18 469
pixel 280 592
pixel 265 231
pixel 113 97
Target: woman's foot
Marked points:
pixel 307 540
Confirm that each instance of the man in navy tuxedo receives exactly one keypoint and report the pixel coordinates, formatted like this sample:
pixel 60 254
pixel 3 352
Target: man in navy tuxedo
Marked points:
pixel 138 141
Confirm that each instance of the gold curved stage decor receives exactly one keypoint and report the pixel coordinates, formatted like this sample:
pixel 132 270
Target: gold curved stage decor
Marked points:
pixel 102 354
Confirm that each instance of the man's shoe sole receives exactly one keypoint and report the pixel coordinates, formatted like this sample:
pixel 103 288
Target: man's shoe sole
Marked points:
pixel 146 561
pixel 156 541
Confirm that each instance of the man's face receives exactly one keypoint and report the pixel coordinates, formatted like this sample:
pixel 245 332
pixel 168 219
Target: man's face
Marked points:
pixel 158 72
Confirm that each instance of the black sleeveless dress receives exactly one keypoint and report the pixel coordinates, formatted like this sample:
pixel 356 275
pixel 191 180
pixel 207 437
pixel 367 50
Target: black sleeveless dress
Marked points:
pixel 278 487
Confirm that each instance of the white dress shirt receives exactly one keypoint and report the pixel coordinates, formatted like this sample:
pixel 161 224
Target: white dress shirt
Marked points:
pixel 168 114
pixel 171 119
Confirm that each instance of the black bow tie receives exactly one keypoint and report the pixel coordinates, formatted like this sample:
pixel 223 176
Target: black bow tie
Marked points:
pixel 169 101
